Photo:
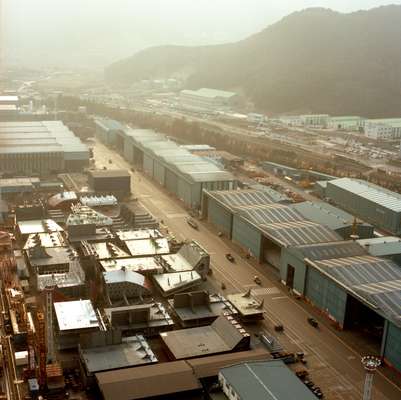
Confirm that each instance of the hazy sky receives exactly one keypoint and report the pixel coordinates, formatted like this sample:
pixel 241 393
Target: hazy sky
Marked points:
pixel 97 32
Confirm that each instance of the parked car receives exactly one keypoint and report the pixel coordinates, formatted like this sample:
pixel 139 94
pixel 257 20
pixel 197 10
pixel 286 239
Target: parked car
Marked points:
pixel 257 280
pixel 192 223
pixel 230 257
pixel 313 322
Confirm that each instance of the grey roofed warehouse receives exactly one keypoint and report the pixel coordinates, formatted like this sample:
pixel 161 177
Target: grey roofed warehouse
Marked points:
pixel 263 380
pixel 375 281
pixel 367 201
pixel 40 146
pixel 183 174
pixel 233 199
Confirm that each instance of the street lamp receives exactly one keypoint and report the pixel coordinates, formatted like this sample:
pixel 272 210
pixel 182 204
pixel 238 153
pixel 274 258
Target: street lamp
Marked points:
pixel 371 364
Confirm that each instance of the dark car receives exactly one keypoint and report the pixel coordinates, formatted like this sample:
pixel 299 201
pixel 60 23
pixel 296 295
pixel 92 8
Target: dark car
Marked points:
pixel 230 257
pixel 192 223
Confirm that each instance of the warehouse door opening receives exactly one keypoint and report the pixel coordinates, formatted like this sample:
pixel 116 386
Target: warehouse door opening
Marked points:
pixel 364 321
pixel 120 143
pixel 205 206
pixel 138 157
pixel 290 276
pixel 271 252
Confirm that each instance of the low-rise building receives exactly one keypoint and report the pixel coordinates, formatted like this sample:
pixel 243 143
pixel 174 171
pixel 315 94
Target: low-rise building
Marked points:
pixel 106 130
pixel 144 265
pixel 262 380
pixel 110 181
pixel 108 351
pixel 150 319
pixel 224 335
pixel 346 123
pixel 248 307
pixel 175 282
pixel 367 201
pixel 315 120
pixel 122 285
pixel 74 318
pixel 191 257
pixel 41 147
pixel 385 246
pixel 50 260
pixel 383 129
pixel 208 99
pixel 200 308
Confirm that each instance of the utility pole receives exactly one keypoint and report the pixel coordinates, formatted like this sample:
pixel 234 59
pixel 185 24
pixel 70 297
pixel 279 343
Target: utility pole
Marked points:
pixel 370 363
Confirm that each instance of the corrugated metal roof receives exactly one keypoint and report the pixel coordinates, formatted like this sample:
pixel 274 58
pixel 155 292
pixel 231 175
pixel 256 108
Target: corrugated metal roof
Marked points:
pixel 376 280
pixel 382 246
pixel 38 137
pixel 327 251
pixel 266 380
pixel 274 194
pixel 239 198
pixel 380 196
pixel 299 232
pixel 109 124
pixel 269 214
pixel 324 213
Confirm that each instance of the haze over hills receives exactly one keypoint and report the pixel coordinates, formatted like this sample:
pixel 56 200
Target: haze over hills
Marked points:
pixel 315 60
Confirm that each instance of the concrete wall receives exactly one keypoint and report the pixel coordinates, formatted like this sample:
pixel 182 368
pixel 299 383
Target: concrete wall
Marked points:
pixel 326 295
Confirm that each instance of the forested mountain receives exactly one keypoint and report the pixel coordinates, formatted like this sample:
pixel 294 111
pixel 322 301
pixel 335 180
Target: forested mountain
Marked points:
pixel 315 60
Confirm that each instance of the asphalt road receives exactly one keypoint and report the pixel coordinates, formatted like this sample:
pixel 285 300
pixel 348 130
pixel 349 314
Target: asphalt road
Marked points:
pixel 333 365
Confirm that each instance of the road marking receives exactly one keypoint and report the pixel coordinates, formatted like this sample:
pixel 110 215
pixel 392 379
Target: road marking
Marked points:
pixel 176 215
pixel 279 298
pixel 264 291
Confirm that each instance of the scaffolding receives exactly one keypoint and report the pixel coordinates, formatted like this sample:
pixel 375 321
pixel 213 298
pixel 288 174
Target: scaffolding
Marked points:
pixel 41 348
pixel 49 324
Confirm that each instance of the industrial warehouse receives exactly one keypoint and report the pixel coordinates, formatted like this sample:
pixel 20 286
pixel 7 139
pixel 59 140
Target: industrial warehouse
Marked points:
pixel 339 277
pixel 367 201
pixel 41 147
pixel 102 296
pixel 183 174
